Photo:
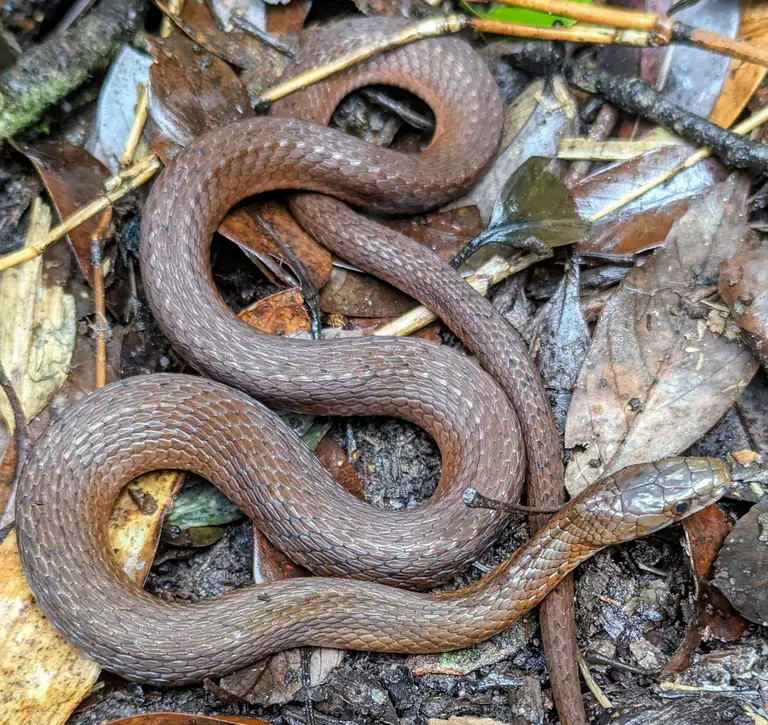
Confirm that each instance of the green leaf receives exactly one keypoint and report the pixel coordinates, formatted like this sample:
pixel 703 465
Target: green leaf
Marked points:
pixel 203 504
pixel 507 14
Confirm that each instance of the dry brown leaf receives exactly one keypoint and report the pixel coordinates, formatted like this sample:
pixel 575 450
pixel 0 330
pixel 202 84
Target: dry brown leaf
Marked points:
pixel 288 18
pixel 72 178
pixel 656 378
pixel 281 313
pixel 743 78
pixel 264 227
pixel 42 677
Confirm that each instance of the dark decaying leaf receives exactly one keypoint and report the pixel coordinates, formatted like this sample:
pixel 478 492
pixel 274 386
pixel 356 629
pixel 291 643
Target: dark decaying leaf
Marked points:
pixel 560 334
pixel 753 412
pixel 533 126
pixel 535 210
pixel 360 295
pixel 444 232
pixel 701 707
pixel 714 617
pixel 741 570
pixel 191 91
pixel 275 680
pixel 743 286
pixel 656 378
pixel 234 45
pixel 644 223
pixel 72 177
pixel 266 229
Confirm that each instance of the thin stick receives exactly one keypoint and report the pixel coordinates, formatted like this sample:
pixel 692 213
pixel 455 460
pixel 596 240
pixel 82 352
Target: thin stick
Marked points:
pixel 100 325
pixel 116 188
pixel 475 500
pixel 599 14
pixel 580 33
pixel 426 28
pixel 492 272
pixel 594 688
pixel 137 127
pixel 717 43
pixel 21 427
pixel 743 128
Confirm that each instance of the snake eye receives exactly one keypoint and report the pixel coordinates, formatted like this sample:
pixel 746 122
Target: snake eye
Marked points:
pixel 682 507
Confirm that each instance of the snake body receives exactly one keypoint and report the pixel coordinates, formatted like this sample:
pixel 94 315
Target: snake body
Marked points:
pixel 475 415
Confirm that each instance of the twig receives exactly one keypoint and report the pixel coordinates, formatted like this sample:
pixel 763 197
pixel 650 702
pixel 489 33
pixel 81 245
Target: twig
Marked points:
pixel 600 129
pixel 426 28
pixel 660 29
pixel 475 500
pixel 747 125
pixel 267 38
pixel 137 127
pixel 21 428
pixel 600 14
pixel 54 68
pixel 636 96
pixel 100 325
pixel 115 188
pixel 492 272
pixel 594 688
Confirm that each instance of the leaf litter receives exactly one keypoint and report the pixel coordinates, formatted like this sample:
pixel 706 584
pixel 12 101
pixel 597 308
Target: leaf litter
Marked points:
pixel 201 86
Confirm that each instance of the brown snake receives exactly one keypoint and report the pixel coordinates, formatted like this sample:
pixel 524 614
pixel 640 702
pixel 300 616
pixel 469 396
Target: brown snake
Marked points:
pixel 80 464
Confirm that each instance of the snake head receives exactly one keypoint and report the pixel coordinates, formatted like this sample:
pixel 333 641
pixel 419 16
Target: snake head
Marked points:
pixel 644 498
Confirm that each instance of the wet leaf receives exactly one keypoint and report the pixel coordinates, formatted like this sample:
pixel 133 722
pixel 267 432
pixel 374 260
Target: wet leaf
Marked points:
pixel 644 223
pixel 72 178
pixel 743 285
pixel 560 340
pixel 333 458
pixel 656 378
pixel 265 228
pixel 42 677
pixel 506 14
pixel 693 77
pixel 202 504
pixel 282 313
pixel 444 232
pixel 740 570
pixel 117 105
pixel 533 126
pixel 743 78
pixel 360 295
pixel 275 680
pixel 191 91
pixel 535 209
